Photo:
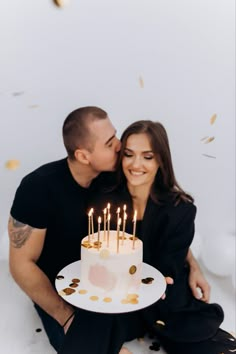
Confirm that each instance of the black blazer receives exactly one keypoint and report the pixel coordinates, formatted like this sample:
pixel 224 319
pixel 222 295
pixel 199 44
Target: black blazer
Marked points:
pixel 167 231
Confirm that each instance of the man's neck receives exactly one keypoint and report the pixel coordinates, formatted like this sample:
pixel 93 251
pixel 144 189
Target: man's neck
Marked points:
pixel 82 174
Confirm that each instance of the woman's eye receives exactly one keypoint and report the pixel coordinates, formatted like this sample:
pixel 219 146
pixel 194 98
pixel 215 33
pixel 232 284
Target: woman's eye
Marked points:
pixel 127 154
pixel 148 157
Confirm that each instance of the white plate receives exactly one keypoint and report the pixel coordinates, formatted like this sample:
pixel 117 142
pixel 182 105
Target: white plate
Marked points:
pixel 148 293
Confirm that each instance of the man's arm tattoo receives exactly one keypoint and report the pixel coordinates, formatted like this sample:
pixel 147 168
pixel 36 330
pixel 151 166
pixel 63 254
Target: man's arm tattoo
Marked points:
pixel 19 232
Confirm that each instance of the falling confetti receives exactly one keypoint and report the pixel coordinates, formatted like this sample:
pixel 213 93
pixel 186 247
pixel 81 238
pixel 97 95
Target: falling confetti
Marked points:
pixel 34 106
pixel 12 164
pixel 141 82
pixel 210 156
pixel 18 93
pixel 60 3
pixel 205 137
pixel 213 119
pixel 209 140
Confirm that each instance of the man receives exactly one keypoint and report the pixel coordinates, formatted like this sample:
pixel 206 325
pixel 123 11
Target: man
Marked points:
pixel 48 217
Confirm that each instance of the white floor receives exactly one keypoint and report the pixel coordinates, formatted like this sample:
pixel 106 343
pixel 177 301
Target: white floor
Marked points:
pixel 18 320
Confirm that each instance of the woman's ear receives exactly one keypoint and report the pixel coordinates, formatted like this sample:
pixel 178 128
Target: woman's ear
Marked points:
pixel 82 156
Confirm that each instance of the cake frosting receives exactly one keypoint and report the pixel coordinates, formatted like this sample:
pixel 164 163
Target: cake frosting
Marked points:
pixel 112 269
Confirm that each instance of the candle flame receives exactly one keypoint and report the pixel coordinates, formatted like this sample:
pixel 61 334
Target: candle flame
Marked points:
pixel 135 215
pixel 109 217
pixel 118 210
pixel 99 219
pixel 105 211
pixel 124 207
pixel 108 206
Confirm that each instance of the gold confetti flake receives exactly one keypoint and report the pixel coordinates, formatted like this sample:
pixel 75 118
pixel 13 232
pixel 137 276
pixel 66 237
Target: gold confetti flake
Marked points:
pixel 160 322
pixel 132 296
pixel 132 269
pixel 60 3
pixel 94 298
pixel 82 292
pixel 205 137
pixel 12 164
pixel 210 139
pixel 59 277
pixel 68 291
pixel 107 299
pixel 73 285
pixel 75 280
pixel 134 301
pixel 213 119
pixel 86 245
pixel 141 82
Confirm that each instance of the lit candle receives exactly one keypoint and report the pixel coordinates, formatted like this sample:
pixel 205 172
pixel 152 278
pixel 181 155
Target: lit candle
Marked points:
pixel 134 227
pixel 108 228
pixel 99 227
pixel 118 215
pixel 89 225
pixel 118 235
pixel 92 225
pixel 104 223
pixel 124 222
pixel 108 208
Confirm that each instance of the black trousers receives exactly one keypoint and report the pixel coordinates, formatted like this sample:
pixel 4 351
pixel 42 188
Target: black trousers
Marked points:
pixel 221 343
pixel 93 333
pixel 96 333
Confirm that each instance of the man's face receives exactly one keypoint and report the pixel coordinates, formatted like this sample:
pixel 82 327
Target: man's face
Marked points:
pixel 106 146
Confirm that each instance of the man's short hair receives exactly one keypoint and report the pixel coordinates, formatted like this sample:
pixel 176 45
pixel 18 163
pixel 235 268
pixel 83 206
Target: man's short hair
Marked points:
pixel 76 131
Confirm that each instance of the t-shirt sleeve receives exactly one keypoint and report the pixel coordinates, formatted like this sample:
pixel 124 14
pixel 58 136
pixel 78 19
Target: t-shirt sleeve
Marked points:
pixel 31 202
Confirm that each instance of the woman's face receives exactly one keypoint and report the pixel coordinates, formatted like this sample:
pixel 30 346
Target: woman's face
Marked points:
pixel 139 162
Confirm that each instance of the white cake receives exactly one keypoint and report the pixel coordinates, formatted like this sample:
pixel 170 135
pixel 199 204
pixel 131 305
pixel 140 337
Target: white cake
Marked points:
pixel 108 271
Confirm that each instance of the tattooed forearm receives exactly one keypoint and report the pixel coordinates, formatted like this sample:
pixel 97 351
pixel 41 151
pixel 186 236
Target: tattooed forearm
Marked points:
pixel 19 233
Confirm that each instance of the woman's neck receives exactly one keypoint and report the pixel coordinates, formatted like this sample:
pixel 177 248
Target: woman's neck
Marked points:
pixel 139 197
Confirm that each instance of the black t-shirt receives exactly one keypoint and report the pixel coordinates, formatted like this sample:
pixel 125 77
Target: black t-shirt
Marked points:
pixel 50 198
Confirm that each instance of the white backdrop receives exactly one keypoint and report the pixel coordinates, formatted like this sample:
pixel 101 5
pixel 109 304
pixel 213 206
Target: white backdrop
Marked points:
pixel 172 61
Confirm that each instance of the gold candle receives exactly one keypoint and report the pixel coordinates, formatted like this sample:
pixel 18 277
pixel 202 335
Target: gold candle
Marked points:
pixel 118 215
pixel 104 223
pixel 108 228
pixel 124 223
pixel 99 228
pixel 118 235
pixel 89 225
pixel 92 225
pixel 134 227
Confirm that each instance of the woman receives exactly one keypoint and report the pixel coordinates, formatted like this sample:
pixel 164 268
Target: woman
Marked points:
pixel 165 213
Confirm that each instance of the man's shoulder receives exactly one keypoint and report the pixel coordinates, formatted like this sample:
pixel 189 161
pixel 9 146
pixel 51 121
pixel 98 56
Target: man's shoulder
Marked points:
pixel 46 172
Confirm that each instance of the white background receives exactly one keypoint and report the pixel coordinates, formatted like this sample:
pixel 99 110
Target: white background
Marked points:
pixel 93 52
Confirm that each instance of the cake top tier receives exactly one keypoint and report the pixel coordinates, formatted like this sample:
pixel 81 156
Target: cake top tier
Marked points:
pixel 125 245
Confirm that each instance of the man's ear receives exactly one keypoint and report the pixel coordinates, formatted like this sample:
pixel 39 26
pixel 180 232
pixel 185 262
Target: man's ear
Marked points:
pixel 82 156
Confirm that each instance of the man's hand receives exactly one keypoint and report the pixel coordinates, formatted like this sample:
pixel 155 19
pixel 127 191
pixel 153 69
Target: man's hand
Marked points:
pixel 197 282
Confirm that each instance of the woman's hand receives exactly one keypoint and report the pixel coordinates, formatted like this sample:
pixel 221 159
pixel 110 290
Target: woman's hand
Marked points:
pixel 169 281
